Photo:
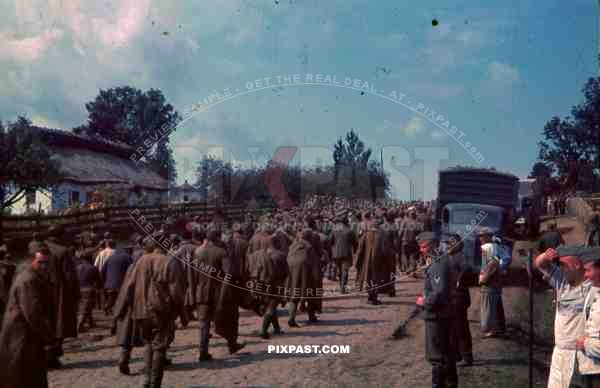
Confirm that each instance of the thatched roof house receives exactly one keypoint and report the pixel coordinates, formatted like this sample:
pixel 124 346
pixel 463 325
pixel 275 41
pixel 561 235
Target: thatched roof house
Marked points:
pixel 90 165
pixel 97 161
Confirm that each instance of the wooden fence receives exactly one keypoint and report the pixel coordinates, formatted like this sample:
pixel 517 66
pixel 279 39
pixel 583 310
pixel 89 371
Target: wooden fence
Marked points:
pixel 113 218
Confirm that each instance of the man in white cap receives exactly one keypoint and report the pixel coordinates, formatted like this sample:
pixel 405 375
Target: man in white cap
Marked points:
pixel 564 271
pixel 588 345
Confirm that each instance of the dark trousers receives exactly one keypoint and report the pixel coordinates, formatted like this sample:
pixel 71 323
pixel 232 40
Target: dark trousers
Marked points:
pixel 270 317
pixel 205 316
pixel 86 306
pixel 591 381
pixel 440 353
pixel 372 294
pixel 343 265
pixel 155 334
pixel 293 308
pixel 110 297
pixel 54 350
pixel 399 258
pixel 461 339
pixel 411 257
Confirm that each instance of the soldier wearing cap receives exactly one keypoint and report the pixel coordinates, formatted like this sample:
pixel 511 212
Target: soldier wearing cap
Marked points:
pixel 438 312
pixel 564 271
pixel 588 345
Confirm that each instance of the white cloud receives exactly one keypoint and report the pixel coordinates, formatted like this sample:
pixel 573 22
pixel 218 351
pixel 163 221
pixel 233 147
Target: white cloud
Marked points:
pixel 414 126
pixel 501 75
pixel 44 121
pixel 439 135
pixel 28 49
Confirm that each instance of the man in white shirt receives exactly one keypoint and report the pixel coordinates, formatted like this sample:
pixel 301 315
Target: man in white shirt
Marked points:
pixel 588 345
pixel 563 270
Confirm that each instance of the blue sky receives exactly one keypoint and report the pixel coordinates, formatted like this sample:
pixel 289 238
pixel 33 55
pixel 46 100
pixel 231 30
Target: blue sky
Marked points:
pixel 495 70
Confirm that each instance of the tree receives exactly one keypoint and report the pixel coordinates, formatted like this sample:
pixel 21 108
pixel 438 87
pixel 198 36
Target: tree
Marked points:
pixel 564 144
pixel 128 115
pixel 212 175
pixel 352 151
pixel 587 120
pixel 351 155
pixel 25 163
pixel 572 145
pixel 540 170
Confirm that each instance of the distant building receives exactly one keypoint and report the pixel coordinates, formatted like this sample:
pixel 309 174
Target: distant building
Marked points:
pixel 95 172
pixel 185 193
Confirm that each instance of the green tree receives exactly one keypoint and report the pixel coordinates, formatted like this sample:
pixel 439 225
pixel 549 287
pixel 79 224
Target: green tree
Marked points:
pixel 352 156
pixel 26 164
pixel 540 170
pixel 131 116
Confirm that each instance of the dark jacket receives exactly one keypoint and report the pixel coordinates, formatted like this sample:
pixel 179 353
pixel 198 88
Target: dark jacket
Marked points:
pixel 157 292
pixel 343 241
pixel 208 287
pixel 438 280
pixel 550 239
pixel 271 272
pixel 7 273
pixel 27 327
pixel 63 275
pixel 88 274
pixel 370 260
pixel 409 229
pixel 128 333
pixel 459 292
pixel 185 256
pixel 114 269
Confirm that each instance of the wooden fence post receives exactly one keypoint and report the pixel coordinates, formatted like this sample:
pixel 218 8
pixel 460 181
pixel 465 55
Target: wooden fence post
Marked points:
pixel 38 220
pixel 107 217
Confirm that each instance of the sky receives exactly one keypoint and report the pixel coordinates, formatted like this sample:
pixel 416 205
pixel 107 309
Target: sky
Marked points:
pixel 495 71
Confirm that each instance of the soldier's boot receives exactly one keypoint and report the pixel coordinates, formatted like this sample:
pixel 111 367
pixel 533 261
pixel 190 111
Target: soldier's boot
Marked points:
pixel 275 321
pixel 400 331
pixel 266 322
pixel 437 377
pixel 124 358
pixel 312 316
pixel 204 338
pixel 148 366
pixel 451 376
pixel 235 346
pixel 156 376
pixel 292 308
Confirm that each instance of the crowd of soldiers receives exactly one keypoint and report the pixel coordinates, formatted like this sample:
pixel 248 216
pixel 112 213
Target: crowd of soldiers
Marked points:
pixel 208 271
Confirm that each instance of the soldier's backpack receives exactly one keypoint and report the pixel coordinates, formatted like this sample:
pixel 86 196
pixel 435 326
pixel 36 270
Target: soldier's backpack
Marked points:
pixel 504 253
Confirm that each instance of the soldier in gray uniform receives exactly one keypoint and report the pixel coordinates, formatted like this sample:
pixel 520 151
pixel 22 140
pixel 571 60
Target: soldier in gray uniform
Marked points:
pixel 344 242
pixel 438 312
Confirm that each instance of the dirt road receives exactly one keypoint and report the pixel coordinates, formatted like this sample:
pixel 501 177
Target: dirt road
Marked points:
pixel 373 361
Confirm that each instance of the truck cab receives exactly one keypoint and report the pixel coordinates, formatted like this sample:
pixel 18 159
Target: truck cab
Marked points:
pixel 466 219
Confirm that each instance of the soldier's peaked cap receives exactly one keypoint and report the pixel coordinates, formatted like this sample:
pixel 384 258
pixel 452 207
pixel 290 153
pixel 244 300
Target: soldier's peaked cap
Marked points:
pixel 427 236
pixel 585 254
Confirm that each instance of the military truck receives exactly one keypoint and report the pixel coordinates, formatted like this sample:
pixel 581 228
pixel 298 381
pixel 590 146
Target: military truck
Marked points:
pixel 472 198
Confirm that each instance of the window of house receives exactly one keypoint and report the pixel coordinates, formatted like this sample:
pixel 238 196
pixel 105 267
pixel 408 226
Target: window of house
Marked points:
pixel 30 197
pixel 74 198
pixel 185 198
